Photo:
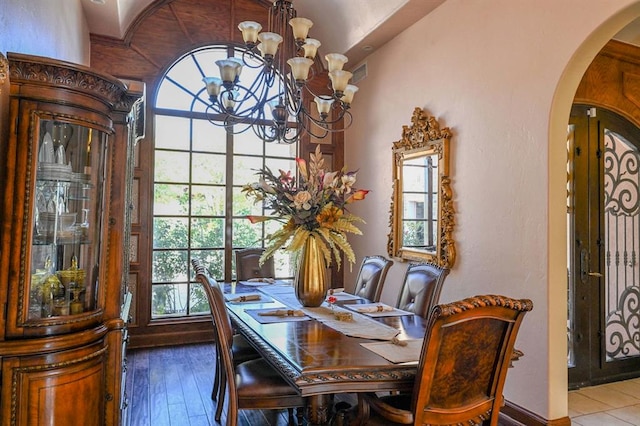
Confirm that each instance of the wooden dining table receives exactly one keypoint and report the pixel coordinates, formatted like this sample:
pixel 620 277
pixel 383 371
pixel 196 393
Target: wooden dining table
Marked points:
pixel 316 359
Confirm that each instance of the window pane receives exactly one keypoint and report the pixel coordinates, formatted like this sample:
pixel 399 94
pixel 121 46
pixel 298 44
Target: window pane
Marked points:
pixel 287 165
pixel 170 199
pixel 244 169
pixel 248 143
pixel 169 266
pixel 171 166
pixel 198 303
pixel 243 206
pixel 168 299
pixel 207 233
pixel 212 260
pixel 208 168
pixel 208 138
pixel 192 200
pixel 170 233
pixel 172 132
pixel 281 150
pixel 246 234
pixel 207 200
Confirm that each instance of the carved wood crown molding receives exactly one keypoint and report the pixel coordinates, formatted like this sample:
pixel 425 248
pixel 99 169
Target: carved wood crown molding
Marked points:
pixel 58 73
pixel 423 129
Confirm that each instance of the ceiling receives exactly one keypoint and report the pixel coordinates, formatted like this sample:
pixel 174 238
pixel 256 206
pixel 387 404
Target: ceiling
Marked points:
pixel 354 27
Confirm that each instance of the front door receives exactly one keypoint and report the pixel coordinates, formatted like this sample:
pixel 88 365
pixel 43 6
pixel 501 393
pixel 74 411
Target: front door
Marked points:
pixel 604 247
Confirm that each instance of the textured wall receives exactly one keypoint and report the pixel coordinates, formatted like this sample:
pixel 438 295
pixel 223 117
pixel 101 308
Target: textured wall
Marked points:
pixel 501 74
pixel 52 28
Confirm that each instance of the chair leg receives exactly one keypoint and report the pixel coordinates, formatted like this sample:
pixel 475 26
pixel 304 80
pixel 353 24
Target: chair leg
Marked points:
pixel 216 379
pixel 291 423
pixel 221 393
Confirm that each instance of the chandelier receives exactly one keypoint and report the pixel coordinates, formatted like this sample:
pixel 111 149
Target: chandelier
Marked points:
pixel 272 105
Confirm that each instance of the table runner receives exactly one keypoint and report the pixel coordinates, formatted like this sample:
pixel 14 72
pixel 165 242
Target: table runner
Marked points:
pixel 361 325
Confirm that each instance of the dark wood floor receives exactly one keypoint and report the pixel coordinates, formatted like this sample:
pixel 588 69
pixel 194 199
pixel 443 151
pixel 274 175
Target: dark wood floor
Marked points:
pixel 171 386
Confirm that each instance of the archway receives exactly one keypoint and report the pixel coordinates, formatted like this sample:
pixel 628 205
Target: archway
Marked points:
pixel 557 231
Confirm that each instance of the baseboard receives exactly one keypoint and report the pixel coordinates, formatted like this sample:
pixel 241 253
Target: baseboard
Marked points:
pixel 169 339
pixel 514 415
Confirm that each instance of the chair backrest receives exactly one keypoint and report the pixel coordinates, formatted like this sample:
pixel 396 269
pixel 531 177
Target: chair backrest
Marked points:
pixel 464 361
pixel 421 288
pixel 224 336
pixel 248 264
pixel 371 276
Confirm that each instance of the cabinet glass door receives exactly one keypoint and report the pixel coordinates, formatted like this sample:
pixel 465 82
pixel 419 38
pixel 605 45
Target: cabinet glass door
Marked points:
pixel 67 219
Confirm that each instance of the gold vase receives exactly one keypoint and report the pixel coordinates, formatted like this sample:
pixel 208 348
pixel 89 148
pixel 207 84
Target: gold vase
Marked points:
pixel 310 282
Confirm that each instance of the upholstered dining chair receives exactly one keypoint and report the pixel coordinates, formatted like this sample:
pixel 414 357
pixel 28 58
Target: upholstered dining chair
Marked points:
pixel 421 288
pixel 251 384
pixel 242 349
pixel 370 279
pixel 463 364
pixel 248 264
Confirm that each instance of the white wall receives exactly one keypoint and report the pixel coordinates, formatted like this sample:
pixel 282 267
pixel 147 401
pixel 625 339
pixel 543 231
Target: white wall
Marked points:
pixel 51 28
pixel 501 74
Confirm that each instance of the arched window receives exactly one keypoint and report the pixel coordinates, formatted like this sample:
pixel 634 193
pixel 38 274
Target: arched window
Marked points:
pixel 199 170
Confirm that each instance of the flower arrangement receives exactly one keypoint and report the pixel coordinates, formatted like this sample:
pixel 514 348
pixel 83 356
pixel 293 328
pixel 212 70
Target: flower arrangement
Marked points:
pixel 314 206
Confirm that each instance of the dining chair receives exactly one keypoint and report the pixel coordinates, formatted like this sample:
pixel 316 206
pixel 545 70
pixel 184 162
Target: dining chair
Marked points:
pixel 463 364
pixel 251 384
pixel 242 349
pixel 421 288
pixel 248 264
pixel 371 277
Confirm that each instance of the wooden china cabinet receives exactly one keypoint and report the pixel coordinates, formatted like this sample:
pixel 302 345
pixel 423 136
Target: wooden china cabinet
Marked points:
pixel 67 136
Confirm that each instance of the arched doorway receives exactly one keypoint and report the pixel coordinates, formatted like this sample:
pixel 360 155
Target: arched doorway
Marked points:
pixel 557 193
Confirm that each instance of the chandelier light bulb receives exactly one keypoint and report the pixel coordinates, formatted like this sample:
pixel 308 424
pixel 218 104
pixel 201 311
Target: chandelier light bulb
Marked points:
pixel 300 68
pixel 300 27
pixel 335 61
pixel 270 43
pixel 213 86
pixel 310 47
pixel 230 69
pixel 323 104
pixel 349 91
pixel 229 100
pixel 339 81
pixel 250 30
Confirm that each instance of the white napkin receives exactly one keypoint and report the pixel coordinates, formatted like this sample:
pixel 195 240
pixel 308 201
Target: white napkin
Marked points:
pixel 246 298
pixel 371 309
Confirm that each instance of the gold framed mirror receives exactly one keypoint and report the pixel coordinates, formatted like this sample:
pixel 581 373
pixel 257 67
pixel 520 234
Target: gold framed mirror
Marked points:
pixel 422 213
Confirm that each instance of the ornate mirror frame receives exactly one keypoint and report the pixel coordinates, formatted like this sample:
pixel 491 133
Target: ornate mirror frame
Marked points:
pixel 423 139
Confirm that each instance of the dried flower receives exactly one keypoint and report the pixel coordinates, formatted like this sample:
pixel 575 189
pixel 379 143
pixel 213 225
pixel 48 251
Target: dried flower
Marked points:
pixel 316 205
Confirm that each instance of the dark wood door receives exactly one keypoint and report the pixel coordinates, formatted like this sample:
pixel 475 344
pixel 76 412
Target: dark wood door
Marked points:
pixel 604 243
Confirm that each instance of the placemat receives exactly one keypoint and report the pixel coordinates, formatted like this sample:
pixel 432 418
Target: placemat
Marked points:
pixel 395 353
pixel 341 295
pixel 268 319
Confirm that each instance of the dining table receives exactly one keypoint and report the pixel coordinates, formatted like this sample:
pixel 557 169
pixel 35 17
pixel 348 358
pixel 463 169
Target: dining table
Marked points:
pixel 349 345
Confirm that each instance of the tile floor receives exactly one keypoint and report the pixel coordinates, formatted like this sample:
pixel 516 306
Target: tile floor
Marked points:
pixel 613 404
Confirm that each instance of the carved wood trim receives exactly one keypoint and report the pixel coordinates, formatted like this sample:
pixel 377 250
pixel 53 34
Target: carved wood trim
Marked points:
pixel 63 74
